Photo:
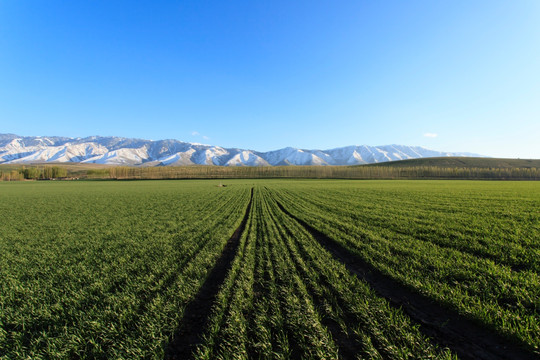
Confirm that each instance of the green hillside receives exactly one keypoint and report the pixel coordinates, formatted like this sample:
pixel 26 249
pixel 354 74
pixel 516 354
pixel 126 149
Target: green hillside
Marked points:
pixel 464 162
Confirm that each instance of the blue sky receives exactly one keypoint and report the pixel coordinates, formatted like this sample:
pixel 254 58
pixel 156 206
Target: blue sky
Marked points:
pixel 448 75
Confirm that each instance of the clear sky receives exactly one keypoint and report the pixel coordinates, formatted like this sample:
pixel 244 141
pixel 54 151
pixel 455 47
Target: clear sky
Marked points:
pixel 450 75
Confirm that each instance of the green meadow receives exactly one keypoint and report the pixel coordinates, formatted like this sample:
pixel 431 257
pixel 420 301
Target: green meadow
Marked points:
pixel 111 269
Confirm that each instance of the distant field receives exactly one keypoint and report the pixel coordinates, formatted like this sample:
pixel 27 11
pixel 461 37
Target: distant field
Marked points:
pixel 270 269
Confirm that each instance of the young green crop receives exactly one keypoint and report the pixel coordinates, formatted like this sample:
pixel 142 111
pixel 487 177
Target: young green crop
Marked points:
pixel 107 269
pixel 276 321
pixel 104 270
pixel 472 246
pixel 287 297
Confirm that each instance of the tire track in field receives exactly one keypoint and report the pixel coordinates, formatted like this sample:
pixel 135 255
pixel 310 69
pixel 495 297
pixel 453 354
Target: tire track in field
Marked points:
pixel 443 325
pixel 349 348
pixel 197 312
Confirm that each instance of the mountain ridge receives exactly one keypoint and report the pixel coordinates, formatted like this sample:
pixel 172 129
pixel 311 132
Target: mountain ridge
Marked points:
pixel 114 150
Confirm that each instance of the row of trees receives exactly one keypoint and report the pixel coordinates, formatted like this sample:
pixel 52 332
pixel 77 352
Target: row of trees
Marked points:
pixel 11 175
pixel 321 172
pixel 315 172
pixel 34 173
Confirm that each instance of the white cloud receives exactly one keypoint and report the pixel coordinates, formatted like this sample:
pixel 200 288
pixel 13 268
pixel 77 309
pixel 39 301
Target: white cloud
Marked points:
pixel 198 134
pixel 430 135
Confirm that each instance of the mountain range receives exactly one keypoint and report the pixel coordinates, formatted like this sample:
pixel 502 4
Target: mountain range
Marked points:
pixel 16 149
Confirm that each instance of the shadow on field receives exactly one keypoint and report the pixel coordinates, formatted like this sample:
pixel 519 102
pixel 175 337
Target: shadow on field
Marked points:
pixel 197 312
pixel 444 326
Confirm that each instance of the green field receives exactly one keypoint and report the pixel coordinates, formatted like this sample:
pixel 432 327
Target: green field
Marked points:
pixel 269 269
pixel 465 162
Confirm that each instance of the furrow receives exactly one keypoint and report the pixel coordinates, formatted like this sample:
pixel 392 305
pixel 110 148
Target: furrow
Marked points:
pixel 348 347
pixel 197 312
pixel 463 336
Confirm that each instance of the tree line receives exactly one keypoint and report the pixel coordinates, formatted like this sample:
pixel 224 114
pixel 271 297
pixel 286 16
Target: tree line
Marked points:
pixel 34 173
pixel 321 172
pixel 313 172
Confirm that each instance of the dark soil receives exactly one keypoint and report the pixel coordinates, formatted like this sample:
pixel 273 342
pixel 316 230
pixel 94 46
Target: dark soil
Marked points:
pixel 197 312
pixel 444 326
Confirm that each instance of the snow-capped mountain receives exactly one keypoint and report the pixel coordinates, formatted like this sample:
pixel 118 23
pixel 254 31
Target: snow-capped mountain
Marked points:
pixel 123 151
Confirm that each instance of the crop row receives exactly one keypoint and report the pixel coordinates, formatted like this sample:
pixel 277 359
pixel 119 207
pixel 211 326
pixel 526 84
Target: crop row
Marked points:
pixel 104 270
pixel 119 269
pixel 287 297
pixel 472 247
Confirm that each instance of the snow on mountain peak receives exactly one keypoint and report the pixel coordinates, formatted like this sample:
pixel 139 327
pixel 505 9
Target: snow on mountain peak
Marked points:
pixel 126 151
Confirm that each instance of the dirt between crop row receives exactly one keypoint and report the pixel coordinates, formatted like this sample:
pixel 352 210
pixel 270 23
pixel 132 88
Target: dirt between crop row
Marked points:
pixel 197 312
pixel 444 326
